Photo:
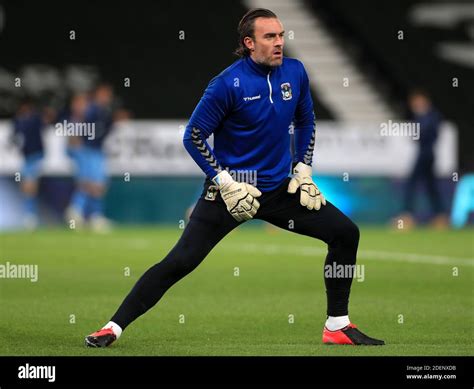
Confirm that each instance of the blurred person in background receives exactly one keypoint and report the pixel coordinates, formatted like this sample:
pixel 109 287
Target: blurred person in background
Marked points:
pixel 76 209
pixel 101 111
pixel 463 202
pixel 28 125
pixel 423 171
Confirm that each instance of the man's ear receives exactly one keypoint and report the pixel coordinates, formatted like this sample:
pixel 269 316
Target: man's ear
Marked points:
pixel 249 43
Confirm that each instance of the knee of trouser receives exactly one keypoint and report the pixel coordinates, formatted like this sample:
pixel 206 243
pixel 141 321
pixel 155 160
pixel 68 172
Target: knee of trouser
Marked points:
pixel 347 233
pixel 183 261
pixel 185 265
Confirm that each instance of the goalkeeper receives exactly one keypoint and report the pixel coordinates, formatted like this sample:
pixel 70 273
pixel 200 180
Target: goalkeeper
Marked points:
pixel 250 108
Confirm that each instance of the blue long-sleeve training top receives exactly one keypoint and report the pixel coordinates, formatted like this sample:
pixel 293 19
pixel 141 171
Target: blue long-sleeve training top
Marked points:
pixel 27 130
pixel 102 117
pixel 430 123
pixel 250 109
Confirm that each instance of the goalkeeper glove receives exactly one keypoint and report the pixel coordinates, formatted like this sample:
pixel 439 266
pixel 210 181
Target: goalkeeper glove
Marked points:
pixel 239 197
pixel 310 196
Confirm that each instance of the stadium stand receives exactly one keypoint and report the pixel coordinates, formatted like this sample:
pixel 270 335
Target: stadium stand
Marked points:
pixel 157 50
pixel 436 52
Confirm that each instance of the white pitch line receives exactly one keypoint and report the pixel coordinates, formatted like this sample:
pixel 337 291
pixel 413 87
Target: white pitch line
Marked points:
pixel 416 258
pixel 270 249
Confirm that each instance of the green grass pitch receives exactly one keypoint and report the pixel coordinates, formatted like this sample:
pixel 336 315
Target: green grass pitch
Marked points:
pixel 259 292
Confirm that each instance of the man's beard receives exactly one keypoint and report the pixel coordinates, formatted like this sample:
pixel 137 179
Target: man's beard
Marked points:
pixel 268 62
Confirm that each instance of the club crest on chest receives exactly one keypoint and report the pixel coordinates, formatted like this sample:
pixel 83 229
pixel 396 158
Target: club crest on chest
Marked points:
pixel 286 91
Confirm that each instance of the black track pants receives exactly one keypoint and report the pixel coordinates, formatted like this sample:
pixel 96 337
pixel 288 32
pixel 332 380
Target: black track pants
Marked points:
pixel 210 222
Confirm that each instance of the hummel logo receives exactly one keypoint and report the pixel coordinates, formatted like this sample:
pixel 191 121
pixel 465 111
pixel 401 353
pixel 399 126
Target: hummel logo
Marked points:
pixel 252 98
